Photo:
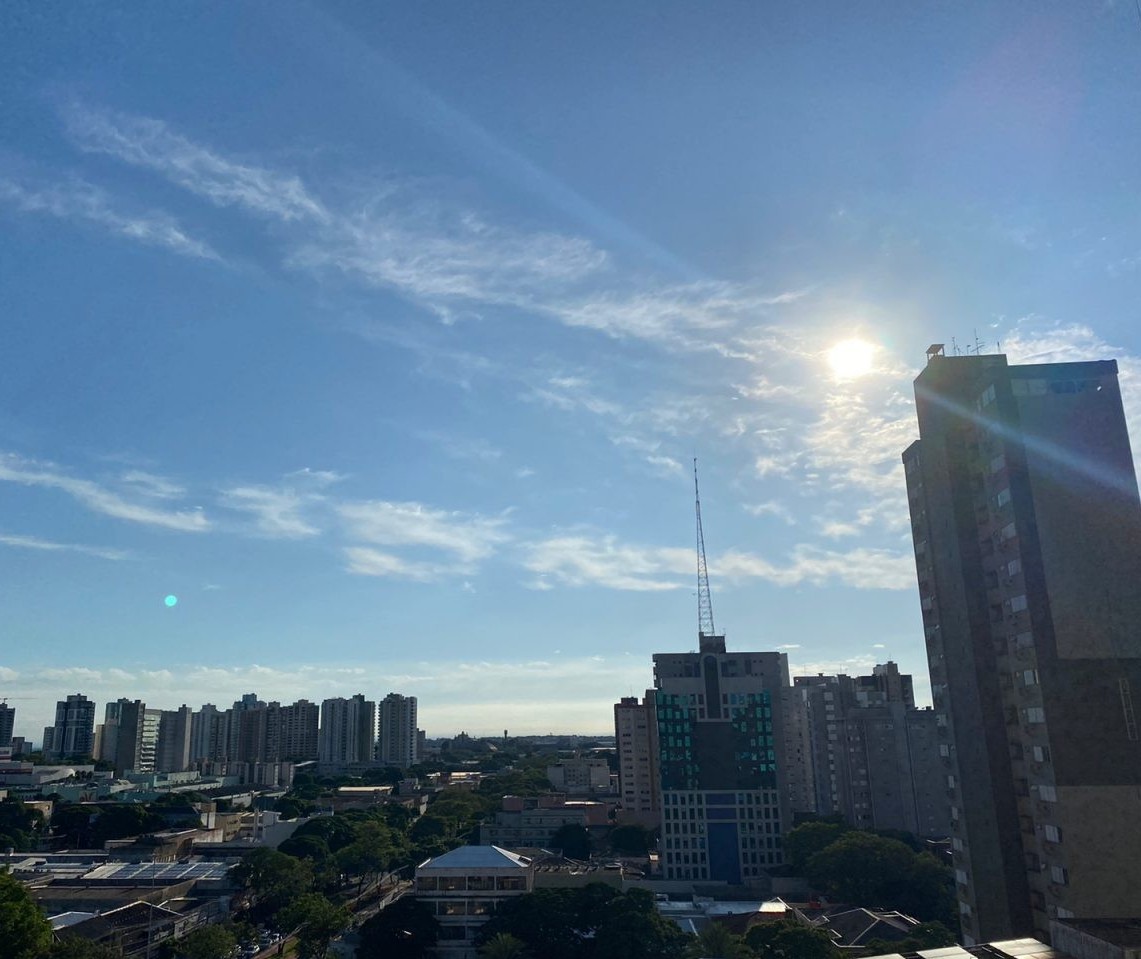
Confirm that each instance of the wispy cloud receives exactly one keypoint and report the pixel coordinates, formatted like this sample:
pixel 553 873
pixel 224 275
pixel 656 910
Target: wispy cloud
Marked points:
pixel 77 200
pixel 278 512
pixel 44 545
pixel 580 560
pixel 366 561
pixel 151 144
pixel 466 537
pixel 771 508
pixel 450 259
pixel 96 497
pixel 470 448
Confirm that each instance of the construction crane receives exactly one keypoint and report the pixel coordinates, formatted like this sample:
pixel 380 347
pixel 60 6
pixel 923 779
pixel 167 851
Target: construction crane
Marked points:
pixel 704 600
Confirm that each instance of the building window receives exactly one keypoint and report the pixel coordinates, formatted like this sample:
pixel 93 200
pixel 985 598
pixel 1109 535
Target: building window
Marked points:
pixel 1052 833
pixel 1030 677
pixel 1047 794
pixel 1007 532
pixel 1035 714
pixel 961 877
pixel 1059 875
pixel 1002 498
pixel 998 463
pixel 1018 603
pixel 1041 754
pixel 1014 567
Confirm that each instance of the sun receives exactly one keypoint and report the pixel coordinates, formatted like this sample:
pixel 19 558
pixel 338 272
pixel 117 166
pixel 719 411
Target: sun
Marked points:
pixel 851 358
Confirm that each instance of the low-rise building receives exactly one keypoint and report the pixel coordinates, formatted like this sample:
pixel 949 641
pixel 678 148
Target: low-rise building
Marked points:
pixel 462 889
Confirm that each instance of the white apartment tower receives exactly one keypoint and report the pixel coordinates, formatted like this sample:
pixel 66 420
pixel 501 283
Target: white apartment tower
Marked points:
pixel 396 737
pixel 348 730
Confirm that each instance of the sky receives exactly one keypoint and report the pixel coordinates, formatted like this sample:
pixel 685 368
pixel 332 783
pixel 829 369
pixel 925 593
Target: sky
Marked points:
pixel 383 336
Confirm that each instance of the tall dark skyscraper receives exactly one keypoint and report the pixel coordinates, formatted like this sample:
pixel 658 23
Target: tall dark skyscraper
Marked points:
pixel 1027 532
pixel 7 723
pixel 73 734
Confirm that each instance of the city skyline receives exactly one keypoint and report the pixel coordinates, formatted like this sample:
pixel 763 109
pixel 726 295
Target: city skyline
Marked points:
pixel 383 344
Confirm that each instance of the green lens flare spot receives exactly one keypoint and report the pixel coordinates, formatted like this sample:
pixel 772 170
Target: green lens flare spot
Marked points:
pixel 171 600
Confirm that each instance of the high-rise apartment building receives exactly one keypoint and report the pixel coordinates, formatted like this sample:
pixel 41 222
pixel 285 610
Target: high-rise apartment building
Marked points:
pixel 292 732
pixel 127 723
pixel 7 724
pixel 874 756
pixel 636 740
pixel 1027 525
pixel 348 731
pixel 73 733
pixel 720 732
pixel 205 733
pixel 172 752
pixel 396 743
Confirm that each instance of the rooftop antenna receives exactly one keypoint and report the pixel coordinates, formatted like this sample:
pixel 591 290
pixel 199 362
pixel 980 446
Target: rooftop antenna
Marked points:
pixel 704 602
pixel 955 347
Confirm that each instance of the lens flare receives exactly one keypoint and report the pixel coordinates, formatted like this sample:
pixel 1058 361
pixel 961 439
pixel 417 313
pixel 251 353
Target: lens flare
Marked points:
pixel 171 600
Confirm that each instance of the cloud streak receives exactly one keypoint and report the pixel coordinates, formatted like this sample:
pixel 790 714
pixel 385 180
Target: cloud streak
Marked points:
pixel 98 498
pixel 77 200
pixel 50 546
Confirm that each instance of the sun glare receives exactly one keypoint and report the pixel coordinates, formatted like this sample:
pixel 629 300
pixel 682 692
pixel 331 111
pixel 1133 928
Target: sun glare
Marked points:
pixel 851 358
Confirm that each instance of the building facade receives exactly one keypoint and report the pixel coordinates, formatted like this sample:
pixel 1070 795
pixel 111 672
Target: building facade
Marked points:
pixel 348 731
pixel 397 743
pixel 7 724
pixel 73 733
pixel 720 729
pixel 874 756
pixel 462 889
pixel 636 741
pixel 172 753
pixel 1026 523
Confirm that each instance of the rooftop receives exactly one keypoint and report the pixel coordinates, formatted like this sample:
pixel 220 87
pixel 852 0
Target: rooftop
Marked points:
pixel 1120 932
pixel 476 857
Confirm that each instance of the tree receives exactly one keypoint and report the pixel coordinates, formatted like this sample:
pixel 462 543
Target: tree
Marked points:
pixel 76 947
pixel 788 939
pixel 552 923
pixel 632 928
pixel 24 931
pixel 806 840
pixel 927 935
pixel 631 839
pixel 207 942
pixel 869 870
pixel 573 840
pixel 316 920
pixel 503 945
pixel 20 825
pixel 717 941
pixel 405 930
pixel 862 869
pixel 369 855
pixel 273 878
pixel 592 922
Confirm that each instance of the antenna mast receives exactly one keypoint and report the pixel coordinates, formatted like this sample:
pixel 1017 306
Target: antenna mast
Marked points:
pixel 704 602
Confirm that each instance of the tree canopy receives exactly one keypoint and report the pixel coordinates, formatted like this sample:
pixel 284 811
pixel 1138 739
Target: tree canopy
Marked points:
pixel 24 931
pixel 591 922
pixel 868 870
pixel 405 930
pixel 788 939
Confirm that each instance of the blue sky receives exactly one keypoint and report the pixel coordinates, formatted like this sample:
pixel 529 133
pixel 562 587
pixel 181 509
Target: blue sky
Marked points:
pixel 383 335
